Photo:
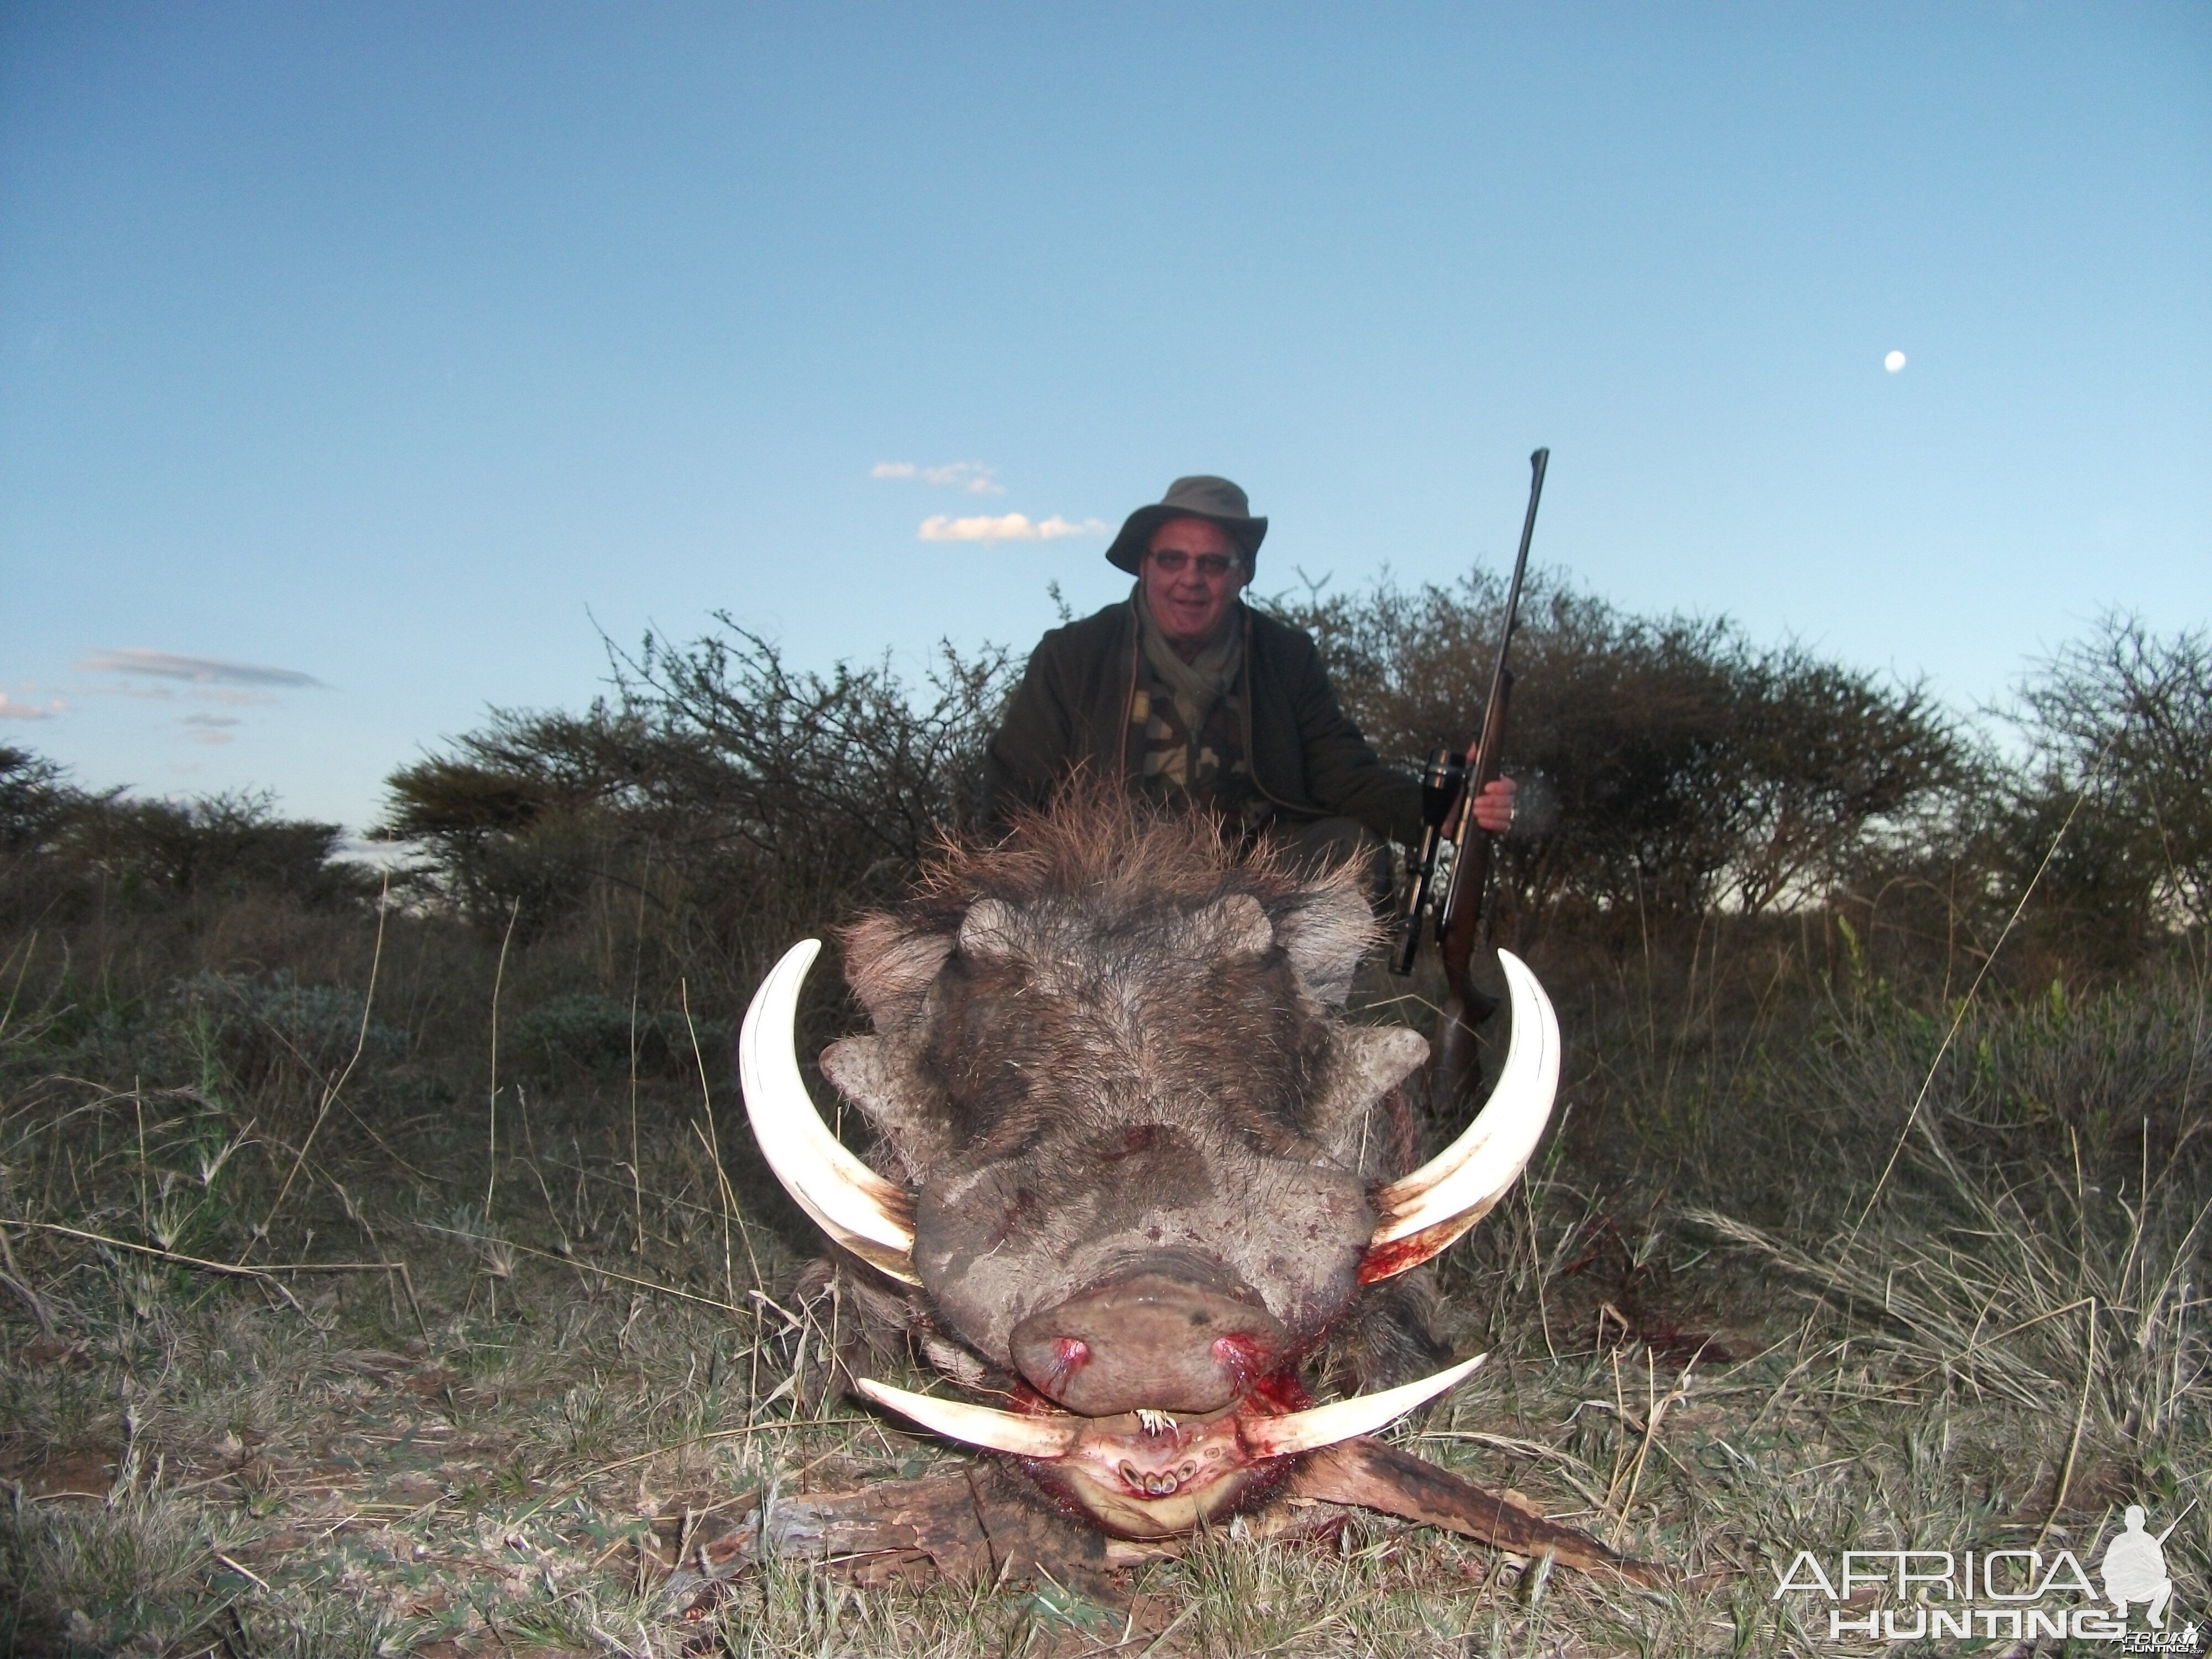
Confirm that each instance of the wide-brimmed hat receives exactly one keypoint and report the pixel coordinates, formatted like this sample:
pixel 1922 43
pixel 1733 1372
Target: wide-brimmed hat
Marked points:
pixel 1201 497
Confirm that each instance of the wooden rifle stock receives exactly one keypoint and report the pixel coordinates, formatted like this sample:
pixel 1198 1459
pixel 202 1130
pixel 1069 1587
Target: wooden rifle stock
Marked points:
pixel 1453 1061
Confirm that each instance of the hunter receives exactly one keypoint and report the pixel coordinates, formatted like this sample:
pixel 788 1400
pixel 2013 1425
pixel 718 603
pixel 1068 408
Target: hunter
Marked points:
pixel 1198 702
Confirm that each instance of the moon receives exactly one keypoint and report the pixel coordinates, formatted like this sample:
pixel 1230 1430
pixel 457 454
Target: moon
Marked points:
pixel 1895 361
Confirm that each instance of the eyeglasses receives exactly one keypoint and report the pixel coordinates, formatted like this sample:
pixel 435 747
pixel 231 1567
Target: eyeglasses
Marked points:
pixel 1172 561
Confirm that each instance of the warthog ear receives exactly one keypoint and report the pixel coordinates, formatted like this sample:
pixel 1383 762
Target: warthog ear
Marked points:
pixel 991 930
pixel 1366 1063
pixel 890 966
pixel 866 1072
pixel 1325 929
pixel 1233 927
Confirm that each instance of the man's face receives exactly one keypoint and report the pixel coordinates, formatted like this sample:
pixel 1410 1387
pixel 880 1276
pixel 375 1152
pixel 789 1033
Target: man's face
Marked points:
pixel 1192 572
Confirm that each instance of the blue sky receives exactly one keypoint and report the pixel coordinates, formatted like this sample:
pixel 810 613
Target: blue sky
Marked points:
pixel 359 364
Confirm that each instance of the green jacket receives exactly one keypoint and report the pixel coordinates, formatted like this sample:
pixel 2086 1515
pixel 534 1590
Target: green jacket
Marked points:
pixel 1307 757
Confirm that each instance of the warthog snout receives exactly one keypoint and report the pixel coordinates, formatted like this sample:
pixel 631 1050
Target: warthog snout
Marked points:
pixel 1172 1338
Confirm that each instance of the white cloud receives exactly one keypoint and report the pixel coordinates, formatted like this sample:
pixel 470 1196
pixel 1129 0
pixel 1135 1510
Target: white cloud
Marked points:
pixel 211 728
pixel 20 708
pixel 972 477
pixel 203 670
pixel 226 696
pixel 1006 527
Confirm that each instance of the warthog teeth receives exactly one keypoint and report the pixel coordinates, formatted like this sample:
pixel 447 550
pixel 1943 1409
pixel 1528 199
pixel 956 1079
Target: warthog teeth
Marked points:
pixel 978 1425
pixel 849 1201
pixel 1325 1426
pixel 1456 1189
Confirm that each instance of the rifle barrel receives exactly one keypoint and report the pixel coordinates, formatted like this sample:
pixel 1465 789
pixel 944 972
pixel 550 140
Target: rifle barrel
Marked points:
pixel 1483 754
pixel 1453 1059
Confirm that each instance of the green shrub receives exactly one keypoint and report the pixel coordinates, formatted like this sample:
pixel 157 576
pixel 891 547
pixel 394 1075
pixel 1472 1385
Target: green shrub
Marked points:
pixel 583 1033
pixel 260 1023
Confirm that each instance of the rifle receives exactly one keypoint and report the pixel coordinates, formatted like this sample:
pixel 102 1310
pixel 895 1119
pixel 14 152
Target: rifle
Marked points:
pixel 1456 849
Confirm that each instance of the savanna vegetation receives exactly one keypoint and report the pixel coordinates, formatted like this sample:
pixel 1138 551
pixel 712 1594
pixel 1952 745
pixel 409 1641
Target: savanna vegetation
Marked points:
pixel 384 1267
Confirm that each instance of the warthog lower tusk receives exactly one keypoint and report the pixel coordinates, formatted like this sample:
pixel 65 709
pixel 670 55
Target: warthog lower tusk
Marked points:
pixel 1060 1436
pixel 849 1201
pixel 977 1425
pixel 1324 1426
pixel 1427 1211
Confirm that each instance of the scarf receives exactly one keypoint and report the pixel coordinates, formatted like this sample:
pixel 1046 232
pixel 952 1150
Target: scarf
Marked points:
pixel 1200 684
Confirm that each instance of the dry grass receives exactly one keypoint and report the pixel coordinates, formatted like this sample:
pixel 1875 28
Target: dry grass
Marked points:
pixel 230 1424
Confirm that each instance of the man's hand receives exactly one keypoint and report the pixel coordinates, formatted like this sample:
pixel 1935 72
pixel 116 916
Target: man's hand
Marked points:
pixel 1493 807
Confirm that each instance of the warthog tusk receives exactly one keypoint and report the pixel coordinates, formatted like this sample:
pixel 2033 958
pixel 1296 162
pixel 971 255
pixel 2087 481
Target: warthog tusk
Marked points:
pixel 1324 1426
pixel 1425 1211
pixel 849 1201
pixel 978 1425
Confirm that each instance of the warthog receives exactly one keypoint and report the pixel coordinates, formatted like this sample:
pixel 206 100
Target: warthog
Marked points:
pixel 1131 1179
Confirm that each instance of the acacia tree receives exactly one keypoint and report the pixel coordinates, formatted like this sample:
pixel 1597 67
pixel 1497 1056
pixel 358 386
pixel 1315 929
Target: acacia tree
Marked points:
pixel 2118 728
pixel 36 801
pixel 1669 765
pixel 743 801
pixel 64 849
pixel 1832 763
pixel 524 815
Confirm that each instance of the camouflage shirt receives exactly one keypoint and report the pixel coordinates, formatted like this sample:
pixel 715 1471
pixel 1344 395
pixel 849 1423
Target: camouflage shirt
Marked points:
pixel 1187 721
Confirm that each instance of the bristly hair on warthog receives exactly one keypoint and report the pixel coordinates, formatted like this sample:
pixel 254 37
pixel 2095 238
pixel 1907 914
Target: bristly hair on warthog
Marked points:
pixel 1132 1170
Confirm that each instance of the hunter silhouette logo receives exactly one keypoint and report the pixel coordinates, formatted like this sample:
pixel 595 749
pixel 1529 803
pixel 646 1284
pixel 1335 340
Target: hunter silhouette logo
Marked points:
pixel 2135 1569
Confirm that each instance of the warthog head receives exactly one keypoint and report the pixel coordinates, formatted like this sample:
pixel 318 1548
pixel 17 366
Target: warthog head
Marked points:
pixel 1131 1152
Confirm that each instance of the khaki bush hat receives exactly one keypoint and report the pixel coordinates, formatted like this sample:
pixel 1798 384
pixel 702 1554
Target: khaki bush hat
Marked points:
pixel 1201 495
